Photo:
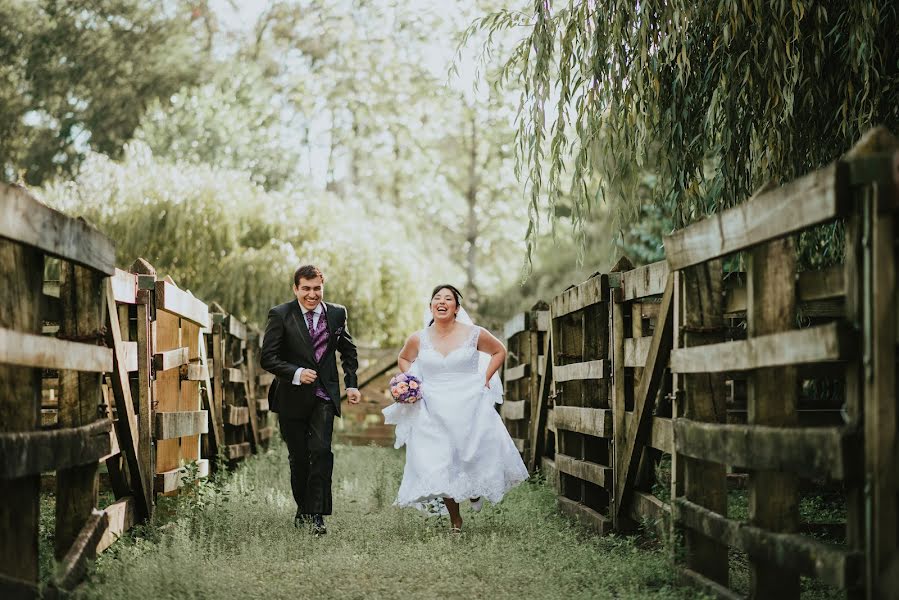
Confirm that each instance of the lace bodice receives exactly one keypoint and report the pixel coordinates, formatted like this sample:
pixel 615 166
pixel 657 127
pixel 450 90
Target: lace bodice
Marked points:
pixel 463 359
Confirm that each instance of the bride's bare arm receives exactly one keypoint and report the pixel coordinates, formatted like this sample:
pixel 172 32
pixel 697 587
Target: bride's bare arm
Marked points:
pixel 408 354
pixel 488 344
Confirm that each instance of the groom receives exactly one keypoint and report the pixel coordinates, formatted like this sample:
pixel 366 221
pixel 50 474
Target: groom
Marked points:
pixel 301 338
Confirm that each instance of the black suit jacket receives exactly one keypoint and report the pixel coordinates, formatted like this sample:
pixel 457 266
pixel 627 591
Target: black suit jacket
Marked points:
pixel 287 346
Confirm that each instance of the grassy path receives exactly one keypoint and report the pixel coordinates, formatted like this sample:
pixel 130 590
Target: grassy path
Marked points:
pixel 234 539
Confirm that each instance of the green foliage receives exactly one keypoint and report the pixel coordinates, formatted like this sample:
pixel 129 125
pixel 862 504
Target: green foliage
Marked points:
pixel 248 547
pixel 228 240
pixel 77 75
pixel 716 98
pixel 228 123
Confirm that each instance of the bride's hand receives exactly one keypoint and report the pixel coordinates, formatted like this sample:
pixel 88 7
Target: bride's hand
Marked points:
pixel 487 383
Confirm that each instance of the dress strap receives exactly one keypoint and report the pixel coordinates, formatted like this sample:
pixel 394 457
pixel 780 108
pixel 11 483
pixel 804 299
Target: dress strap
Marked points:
pixel 473 335
pixel 424 340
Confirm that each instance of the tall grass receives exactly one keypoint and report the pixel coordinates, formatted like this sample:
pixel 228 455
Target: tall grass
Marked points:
pixel 236 540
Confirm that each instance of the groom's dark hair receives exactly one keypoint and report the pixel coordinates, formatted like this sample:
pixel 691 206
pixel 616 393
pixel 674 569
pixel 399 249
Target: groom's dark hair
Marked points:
pixel 308 272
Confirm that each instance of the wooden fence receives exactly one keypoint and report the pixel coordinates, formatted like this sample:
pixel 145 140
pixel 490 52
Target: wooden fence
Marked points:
pixel 105 370
pixel 672 383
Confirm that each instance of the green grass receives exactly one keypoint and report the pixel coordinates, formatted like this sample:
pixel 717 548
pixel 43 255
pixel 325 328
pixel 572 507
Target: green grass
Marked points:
pixel 234 539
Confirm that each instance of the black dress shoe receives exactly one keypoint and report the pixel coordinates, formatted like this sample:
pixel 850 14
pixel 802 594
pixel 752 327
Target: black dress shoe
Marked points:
pixel 302 520
pixel 318 525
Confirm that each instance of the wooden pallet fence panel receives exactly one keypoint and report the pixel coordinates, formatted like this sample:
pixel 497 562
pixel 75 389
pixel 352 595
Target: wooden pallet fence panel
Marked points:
pixel 237 415
pixel 593 369
pixel 586 516
pixel 828 562
pixel 813 452
pixel 592 291
pixel 823 343
pixel 35 452
pixel 586 470
pixel 124 287
pixel 265 379
pixel 661 432
pixel 542 318
pixel 170 425
pixel 236 328
pixel 26 220
pixel 121 518
pixel 590 421
pixel 236 451
pixel 30 350
pixel 518 372
pixel 174 479
pixel 171 359
pixel 515 325
pixel 648 280
pixel 513 410
pixel 233 375
pixel 817 289
pixel 815 198
pixel 636 350
pixel 178 302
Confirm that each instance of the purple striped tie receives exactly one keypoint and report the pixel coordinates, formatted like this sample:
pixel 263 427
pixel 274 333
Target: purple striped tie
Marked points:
pixel 319 337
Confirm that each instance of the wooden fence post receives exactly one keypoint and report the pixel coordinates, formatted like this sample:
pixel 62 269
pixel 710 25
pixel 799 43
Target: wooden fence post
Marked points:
pixel 83 305
pixel 20 401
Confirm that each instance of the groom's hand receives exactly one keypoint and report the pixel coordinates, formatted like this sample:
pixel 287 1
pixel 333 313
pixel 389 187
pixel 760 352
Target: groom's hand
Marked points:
pixel 308 376
pixel 353 396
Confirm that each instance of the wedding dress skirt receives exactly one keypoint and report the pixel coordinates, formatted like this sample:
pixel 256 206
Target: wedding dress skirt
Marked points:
pixel 456 443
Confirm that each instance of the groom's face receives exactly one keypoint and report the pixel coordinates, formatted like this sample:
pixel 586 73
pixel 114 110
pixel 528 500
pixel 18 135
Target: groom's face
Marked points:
pixel 309 292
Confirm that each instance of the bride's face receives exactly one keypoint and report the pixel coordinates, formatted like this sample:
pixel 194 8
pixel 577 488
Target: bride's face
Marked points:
pixel 444 306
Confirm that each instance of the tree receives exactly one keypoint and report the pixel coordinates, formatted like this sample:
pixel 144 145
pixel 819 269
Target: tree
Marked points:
pixel 78 75
pixel 727 95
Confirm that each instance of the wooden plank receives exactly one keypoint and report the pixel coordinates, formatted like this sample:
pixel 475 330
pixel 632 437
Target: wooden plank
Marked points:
pixel 818 197
pixel 236 328
pixel 772 400
pixel 601 475
pixel 171 359
pixel 540 413
pixel 587 517
pixel 265 379
pixel 512 410
pixel 73 566
pixel 646 506
pixel 121 518
pixel 236 451
pixel 233 375
pixel 82 302
pixel 594 369
pixel 619 390
pixel 515 325
pixel 127 419
pixel 196 372
pixel 129 358
pixel 20 390
pixel 27 220
pixel 648 280
pixel 636 350
pixel 815 287
pixel 30 350
pixel 708 586
pixel 171 425
pixel 591 421
pixel 265 434
pixel 828 562
pixel 520 444
pixel 262 404
pixel 25 453
pixel 124 287
pixel 237 415
pixel 176 301
pixel 592 291
pixel 174 479
pixel 516 373
pixel 542 318
pixel 661 432
pixel 813 452
pixel 823 343
pixel 548 468
pixel 644 401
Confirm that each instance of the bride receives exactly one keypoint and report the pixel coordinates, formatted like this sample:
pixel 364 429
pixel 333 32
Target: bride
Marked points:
pixel 457 447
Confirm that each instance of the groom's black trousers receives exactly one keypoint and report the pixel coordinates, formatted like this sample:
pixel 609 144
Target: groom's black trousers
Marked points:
pixel 311 460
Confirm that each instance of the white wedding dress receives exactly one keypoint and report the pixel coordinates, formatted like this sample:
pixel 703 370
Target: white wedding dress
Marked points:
pixel 456 444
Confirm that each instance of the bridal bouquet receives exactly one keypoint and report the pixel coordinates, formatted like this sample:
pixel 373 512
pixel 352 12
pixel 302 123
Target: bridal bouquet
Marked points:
pixel 405 388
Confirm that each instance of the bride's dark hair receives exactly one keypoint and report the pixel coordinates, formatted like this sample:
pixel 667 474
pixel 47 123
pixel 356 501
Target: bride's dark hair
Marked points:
pixel 446 286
